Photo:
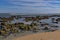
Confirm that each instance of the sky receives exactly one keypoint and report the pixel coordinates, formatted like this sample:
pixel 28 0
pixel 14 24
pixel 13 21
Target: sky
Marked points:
pixel 29 6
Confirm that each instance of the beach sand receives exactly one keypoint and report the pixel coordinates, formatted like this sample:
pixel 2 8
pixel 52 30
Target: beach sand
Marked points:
pixel 41 36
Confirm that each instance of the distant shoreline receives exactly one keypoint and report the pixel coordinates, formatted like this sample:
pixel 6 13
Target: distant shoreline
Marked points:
pixel 28 14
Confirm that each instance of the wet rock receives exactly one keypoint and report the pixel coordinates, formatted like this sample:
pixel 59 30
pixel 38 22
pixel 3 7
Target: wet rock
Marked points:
pixel 46 28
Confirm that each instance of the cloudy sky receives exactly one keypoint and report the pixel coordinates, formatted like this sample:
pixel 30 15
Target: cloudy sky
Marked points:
pixel 29 6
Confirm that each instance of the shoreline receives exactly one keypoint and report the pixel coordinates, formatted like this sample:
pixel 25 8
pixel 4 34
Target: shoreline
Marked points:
pixel 41 36
pixel 23 34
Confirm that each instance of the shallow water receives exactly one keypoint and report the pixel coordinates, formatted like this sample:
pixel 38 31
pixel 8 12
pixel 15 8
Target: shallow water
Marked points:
pixel 49 21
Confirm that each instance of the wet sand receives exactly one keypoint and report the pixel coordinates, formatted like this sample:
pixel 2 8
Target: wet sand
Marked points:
pixel 41 36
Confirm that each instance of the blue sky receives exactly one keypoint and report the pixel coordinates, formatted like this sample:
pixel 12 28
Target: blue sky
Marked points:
pixel 29 6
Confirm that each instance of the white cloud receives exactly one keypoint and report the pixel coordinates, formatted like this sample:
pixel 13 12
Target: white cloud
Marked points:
pixel 33 6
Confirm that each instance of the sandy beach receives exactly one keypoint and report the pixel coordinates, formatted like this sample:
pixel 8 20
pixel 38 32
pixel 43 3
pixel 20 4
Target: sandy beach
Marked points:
pixel 41 36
